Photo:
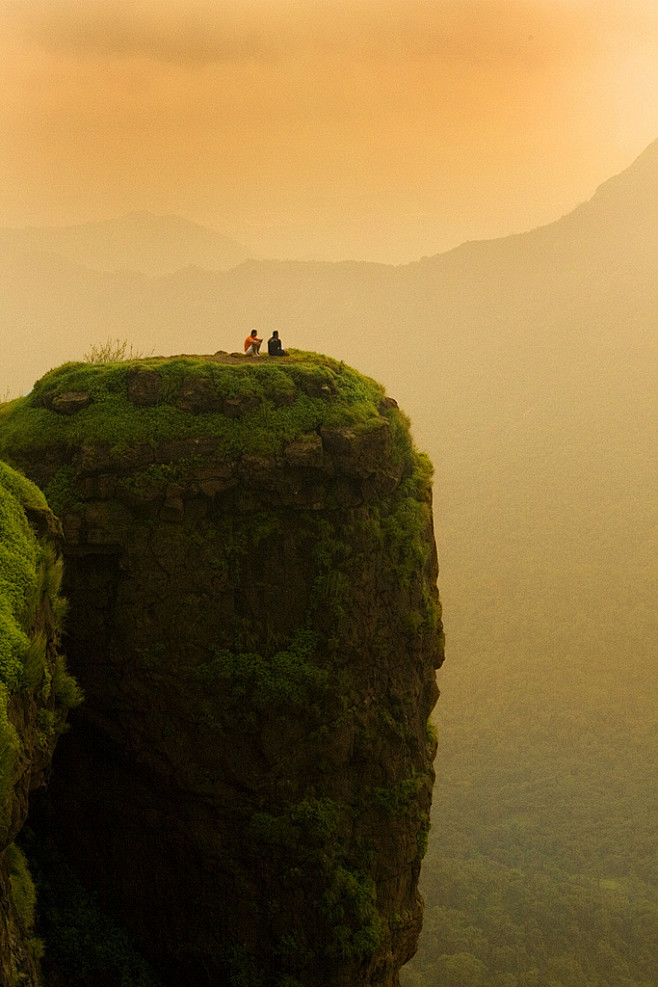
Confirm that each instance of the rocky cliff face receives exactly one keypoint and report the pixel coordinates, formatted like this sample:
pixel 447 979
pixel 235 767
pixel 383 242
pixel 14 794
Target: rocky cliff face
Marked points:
pixel 35 691
pixel 255 622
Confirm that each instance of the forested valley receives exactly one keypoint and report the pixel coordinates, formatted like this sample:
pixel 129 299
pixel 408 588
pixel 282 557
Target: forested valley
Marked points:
pixel 527 366
pixel 542 869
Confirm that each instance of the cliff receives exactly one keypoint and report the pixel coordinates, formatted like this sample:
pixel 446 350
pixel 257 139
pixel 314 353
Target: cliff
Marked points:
pixel 254 619
pixel 35 692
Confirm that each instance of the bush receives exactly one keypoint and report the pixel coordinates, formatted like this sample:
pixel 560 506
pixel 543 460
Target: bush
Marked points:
pixel 22 885
pixel 67 691
pixel 112 351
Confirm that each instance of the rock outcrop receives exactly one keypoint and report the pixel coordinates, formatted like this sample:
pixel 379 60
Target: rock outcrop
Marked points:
pixel 254 619
pixel 35 693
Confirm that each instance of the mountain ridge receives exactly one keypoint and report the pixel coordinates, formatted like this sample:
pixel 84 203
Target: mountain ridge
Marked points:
pixel 139 240
pixel 360 309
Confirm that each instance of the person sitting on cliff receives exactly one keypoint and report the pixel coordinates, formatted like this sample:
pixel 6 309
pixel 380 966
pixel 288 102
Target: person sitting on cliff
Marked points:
pixel 252 344
pixel 274 347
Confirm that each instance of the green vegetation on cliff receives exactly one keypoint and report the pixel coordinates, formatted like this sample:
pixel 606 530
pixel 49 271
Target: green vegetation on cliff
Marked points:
pixel 253 541
pixel 265 404
pixel 19 562
pixel 30 578
pixel 35 692
pixel 82 944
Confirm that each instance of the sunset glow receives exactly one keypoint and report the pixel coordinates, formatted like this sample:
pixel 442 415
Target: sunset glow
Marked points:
pixel 383 129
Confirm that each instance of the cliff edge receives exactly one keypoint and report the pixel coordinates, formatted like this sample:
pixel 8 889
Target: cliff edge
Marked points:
pixel 35 693
pixel 254 619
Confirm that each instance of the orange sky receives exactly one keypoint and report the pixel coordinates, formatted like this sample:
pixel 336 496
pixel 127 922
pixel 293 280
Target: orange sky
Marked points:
pixel 377 128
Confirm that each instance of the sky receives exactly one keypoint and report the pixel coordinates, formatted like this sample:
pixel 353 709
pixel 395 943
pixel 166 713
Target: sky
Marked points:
pixel 376 129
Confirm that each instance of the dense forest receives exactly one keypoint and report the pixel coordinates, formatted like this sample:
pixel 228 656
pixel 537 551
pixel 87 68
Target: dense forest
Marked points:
pixel 542 869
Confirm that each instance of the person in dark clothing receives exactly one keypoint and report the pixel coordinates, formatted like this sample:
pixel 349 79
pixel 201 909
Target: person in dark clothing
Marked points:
pixel 274 347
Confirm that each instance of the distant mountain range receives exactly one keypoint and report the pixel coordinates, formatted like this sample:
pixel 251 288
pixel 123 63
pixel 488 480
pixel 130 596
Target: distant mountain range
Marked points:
pixel 525 360
pixel 588 279
pixel 528 366
pixel 140 241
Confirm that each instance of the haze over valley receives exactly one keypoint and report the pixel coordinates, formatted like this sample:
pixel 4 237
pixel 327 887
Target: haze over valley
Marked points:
pixel 527 366
pixel 460 200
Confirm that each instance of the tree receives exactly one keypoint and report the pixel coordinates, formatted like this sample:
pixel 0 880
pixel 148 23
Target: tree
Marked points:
pixel 464 970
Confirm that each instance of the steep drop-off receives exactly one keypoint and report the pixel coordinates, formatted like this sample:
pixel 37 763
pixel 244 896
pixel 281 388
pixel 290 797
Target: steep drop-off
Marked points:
pixel 255 622
pixel 35 692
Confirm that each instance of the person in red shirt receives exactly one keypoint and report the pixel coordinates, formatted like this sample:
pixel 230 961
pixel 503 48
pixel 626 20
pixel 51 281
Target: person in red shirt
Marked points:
pixel 252 344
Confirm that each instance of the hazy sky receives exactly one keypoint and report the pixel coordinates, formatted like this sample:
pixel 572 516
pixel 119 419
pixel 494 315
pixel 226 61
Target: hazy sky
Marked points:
pixel 380 128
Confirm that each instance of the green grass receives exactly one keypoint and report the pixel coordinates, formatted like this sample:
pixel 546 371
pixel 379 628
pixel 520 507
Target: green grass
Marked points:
pixel 398 799
pixel 30 575
pixel 19 560
pixel 29 572
pixel 22 885
pixel 290 400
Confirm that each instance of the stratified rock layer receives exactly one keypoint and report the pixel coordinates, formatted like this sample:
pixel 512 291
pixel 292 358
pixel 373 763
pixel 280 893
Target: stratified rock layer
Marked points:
pixel 255 622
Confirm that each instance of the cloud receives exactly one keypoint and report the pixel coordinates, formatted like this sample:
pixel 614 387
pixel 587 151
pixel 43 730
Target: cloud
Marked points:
pixel 194 31
pixel 206 31
pixel 301 106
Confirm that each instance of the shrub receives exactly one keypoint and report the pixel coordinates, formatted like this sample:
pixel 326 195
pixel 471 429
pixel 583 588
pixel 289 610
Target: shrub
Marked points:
pixel 67 691
pixel 22 886
pixel 83 945
pixel 34 662
pixel 112 351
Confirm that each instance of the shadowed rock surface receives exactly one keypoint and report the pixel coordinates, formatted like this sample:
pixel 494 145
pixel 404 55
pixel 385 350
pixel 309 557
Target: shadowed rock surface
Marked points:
pixel 255 621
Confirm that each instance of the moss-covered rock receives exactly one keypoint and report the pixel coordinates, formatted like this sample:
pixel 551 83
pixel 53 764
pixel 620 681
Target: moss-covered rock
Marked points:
pixel 255 622
pixel 35 693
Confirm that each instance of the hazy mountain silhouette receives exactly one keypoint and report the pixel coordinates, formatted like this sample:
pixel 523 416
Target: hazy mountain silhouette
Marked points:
pixel 488 346
pixel 528 367
pixel 138 241
pixel 580 282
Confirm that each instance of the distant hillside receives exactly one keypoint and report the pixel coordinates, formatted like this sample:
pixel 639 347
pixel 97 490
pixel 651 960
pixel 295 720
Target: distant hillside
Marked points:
pixel 528 367
pixel 507 353
pixel 593 269
pixel 154 245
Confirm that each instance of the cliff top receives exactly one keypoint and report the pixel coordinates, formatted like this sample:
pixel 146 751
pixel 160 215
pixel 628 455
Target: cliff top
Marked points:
pixel 264 403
